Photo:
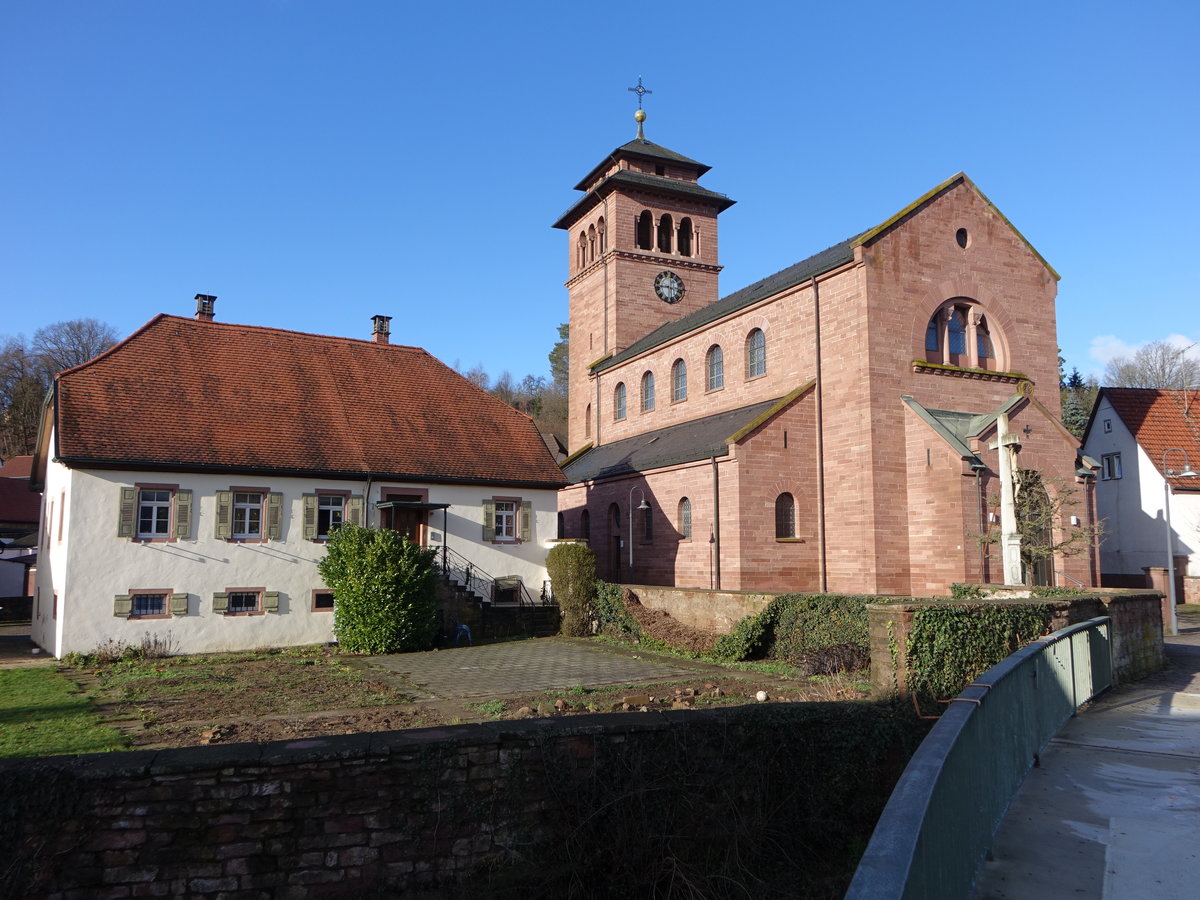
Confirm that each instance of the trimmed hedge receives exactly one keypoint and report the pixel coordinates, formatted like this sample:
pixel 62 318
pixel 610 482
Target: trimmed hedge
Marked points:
pixel 572 571
pixel 824 632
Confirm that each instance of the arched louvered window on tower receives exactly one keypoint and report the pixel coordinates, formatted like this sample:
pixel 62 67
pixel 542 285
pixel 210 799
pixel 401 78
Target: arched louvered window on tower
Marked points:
pixel 644 231
pixel 665 228
pixel 685 237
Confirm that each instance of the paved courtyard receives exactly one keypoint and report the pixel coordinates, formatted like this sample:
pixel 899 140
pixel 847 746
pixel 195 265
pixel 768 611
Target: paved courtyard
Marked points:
pixel 518 667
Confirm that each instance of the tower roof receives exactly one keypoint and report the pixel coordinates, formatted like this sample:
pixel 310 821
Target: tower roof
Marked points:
pixel 644 148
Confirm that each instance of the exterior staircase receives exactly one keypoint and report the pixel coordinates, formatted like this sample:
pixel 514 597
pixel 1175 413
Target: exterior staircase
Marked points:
pixel 493 608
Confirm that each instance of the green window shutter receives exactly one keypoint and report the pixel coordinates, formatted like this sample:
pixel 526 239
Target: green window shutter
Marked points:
pixel 221 602
pixel 183 515
pixel 354 509
pixel 489 520
pixel 310 516
pixel 224 530
pixel 270 601
pixel 526 519
pixel 127 515
pixel 179 604
pixel 122 605
pixel 274 516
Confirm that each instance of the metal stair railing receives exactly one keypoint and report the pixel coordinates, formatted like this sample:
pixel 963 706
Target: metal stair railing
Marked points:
pixel 457 567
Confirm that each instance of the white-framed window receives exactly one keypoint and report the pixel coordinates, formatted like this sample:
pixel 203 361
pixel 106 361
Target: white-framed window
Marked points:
pixel 331 512
pixel 756 353
pixel 1108 426
pixel 154 514
pixel 678 381
pixel 148 605
pixel 507 519
pixel 1110 466
pixel 247 514
pixel 714 368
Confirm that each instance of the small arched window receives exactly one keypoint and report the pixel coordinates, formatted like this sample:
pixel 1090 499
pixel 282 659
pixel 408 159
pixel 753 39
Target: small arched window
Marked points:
pixel 591 243
pixel 648 392
pixel 714 368
pixel 603 235
pixel 785 516
pixel 665 227
pixel 983 340
pixel 756 353
pixel 933 335
pixel 585 525
pixel 587 423
pixel 562 526
pixel 643 229
pixel 619 402
pixel 614 519
pixel 581 256
pixel 685 519
pixel 678 381
pixel 685 237
pixel 648 524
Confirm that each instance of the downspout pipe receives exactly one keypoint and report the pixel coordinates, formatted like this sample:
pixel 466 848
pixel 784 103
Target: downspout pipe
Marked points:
pixel 822 568
pixel 716 526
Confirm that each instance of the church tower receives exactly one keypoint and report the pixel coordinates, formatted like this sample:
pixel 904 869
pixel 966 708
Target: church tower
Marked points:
pixel 642 245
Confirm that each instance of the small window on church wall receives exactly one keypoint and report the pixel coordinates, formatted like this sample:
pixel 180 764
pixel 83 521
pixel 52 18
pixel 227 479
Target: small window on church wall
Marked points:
pixel 592 243
pixel 587 422
pixel 619 402
pixel 933 335
pixel 685 237
pixel 603 236
pixel 756 353
pixel 685 519
pixel 785 516
pixel 983 340
pixel 665 227
pixel 581 261
pixel 643 230
pixel 648 392
pixel 678 381
pixel 714 368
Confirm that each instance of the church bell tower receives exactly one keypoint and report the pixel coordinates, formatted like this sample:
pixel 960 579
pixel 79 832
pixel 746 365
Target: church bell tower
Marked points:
pixel 642 246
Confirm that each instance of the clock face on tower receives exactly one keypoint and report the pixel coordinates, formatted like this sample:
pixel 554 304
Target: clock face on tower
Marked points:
pixel 668 286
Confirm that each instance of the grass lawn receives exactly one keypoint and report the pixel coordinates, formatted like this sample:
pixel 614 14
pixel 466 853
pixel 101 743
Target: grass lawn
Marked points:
pixel 43 714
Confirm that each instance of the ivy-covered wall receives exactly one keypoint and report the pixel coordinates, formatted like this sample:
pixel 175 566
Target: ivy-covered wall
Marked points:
pixel 935 647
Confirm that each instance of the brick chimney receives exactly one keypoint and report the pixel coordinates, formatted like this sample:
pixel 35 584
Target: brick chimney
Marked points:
pixel 381 330
pixel 204 307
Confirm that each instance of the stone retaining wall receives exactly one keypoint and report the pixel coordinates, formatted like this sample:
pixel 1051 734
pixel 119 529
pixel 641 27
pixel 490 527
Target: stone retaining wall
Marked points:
pixel 784 790
pixel 716 611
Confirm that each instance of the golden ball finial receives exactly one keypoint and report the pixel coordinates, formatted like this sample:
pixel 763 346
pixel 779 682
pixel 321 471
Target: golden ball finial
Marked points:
pixel 640 116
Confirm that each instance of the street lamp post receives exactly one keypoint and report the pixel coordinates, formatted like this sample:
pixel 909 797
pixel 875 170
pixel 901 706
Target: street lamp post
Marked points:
pixel 642 505
pixel 1167 473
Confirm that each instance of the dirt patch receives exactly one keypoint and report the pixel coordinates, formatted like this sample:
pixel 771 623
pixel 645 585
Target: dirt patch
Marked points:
pixel 661 627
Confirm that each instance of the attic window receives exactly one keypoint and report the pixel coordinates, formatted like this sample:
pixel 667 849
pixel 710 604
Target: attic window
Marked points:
pixel 962 238
pixel 660 170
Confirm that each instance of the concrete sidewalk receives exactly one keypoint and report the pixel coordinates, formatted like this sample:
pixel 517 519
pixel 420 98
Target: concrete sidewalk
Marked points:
pixel 1113 810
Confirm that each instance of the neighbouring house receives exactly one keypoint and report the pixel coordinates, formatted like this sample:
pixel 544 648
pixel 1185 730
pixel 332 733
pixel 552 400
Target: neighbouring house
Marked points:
pixel 19 510
pixel 192 473
pixel 1143 439
pixel 849 423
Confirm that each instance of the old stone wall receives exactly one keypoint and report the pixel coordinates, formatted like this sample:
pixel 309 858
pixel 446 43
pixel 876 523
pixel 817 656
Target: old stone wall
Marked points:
pixel 538 804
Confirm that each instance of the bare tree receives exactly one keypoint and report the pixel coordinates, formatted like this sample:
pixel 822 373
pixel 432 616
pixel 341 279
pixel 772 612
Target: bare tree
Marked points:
pixel 1159 364
pixel 67 344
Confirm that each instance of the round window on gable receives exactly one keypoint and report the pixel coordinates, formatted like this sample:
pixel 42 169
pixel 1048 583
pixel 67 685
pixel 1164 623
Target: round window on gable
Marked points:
pixel 962 238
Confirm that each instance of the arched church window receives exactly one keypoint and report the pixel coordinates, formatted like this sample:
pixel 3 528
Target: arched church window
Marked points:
pixel 714 368
pixel 933 335
pixel 603 235
pixel 983 341
pixel 956 329
pixel 619 402
pixel 585 525
pixel 685 518
pixel 678 381
pixel 648 392
pixel 665 227
pixel 587 423
pixel 591 243
pixel 643 230
pixel 756 353
pixel 785 516
pixel 685 237
pixel 581 261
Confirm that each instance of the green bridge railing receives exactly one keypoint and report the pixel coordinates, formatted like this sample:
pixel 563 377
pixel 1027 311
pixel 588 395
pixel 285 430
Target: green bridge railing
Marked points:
pixel 940 819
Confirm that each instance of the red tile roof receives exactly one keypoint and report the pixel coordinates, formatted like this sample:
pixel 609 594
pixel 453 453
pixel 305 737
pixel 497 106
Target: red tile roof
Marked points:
pixel 16 467
pixel 190 395
pixel 1158 423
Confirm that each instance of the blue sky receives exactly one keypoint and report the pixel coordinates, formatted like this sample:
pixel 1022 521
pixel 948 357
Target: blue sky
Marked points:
pixel 315 163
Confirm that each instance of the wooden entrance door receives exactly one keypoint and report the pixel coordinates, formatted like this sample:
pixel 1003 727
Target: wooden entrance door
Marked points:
pixel 409 522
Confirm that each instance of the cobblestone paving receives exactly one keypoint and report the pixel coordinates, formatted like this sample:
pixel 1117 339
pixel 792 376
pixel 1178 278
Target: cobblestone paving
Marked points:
pixel 517 668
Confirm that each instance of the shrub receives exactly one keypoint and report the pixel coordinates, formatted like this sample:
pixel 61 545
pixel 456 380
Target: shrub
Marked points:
pixel 572 570
pixel 384 586
pixel 826 633
pixel 745 641
pixel 610 613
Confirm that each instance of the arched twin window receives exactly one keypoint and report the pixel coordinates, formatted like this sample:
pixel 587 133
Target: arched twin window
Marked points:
pixel 663 236
pixel 785 516
pixel 619 402
pixel 678 381
pixel 959 334
pixel 714 368
pixel 756 353
pixel 648 392
pixel 685 518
